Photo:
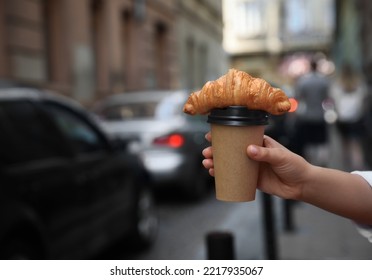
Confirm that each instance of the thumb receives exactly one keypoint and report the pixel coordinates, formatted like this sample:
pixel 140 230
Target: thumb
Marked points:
pixel 271 152
pixel 273 156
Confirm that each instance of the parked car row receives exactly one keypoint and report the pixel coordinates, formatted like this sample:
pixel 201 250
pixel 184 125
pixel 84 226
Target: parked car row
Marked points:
pixel 73 182
pixel 67 190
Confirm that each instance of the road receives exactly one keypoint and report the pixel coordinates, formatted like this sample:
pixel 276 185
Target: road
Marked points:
pixel 184 226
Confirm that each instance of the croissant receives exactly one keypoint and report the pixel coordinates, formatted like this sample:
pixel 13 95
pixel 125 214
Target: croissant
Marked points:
pixel 240 89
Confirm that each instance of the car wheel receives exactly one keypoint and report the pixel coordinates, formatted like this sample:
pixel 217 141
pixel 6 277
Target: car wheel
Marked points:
pixel 146 227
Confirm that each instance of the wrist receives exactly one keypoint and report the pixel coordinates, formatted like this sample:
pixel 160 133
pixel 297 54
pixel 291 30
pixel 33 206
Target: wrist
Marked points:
pixel 306 185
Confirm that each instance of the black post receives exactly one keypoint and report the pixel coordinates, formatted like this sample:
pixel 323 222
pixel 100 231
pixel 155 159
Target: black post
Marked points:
pixel 220 246
pixel 269 227
pixel 288 215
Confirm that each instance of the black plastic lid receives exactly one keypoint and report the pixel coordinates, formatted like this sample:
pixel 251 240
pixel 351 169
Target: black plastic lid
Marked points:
pixel 238 116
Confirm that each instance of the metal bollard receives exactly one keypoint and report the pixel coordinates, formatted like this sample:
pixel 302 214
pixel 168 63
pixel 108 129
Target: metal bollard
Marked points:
pixel 288 215
pixel 220 246
pixel 269 227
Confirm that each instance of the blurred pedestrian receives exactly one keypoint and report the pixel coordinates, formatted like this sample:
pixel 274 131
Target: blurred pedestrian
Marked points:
pixel 289 176
pixel 311 90
pixel 349 93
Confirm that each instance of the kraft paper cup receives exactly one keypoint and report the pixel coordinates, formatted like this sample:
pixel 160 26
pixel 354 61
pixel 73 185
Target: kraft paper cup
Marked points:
pixel 233 129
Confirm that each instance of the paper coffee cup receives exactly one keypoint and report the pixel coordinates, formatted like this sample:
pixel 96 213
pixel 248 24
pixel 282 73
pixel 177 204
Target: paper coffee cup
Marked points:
pixel 233 129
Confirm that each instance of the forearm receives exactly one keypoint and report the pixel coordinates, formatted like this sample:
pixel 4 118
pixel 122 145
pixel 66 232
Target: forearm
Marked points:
pixel 342 193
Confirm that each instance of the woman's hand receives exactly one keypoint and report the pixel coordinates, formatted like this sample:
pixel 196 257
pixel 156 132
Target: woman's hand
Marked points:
pixel 289 176
pixel 281 172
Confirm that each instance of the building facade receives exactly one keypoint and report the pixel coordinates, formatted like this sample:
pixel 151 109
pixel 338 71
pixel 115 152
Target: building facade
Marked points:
pixel 88 49
pixel 201 54
pixel 259 34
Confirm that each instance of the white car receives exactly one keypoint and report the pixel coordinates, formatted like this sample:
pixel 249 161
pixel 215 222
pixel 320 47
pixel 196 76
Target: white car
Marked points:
pixel 169 141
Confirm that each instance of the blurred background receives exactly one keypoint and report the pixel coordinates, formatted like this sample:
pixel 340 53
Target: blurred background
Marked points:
pixel 118 160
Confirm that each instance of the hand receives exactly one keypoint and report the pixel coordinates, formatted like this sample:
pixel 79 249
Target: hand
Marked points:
pixel 282 172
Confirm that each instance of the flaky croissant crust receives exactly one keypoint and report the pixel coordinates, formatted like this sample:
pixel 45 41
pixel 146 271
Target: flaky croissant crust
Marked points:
pixel 237 88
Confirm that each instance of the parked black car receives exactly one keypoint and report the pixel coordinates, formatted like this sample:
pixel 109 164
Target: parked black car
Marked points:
pixel 66 190
pixel 169 141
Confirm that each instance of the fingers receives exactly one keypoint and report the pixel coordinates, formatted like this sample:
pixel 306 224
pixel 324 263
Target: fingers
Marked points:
pixel 208 136
pixel 271 152
pixel 207 152
pixel 208 161
pixel 211 171
pixel 208 164
pixel 255 152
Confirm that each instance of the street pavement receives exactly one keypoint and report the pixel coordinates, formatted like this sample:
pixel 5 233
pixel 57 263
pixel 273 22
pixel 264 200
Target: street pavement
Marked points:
pixel 319 234
pixel 184 228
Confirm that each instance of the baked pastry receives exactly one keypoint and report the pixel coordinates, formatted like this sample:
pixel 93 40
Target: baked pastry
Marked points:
pixel 237 88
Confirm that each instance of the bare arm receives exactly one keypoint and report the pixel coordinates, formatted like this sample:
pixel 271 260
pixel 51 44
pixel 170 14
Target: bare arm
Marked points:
pixel 287 175
pixel 290 176
pixel 342 193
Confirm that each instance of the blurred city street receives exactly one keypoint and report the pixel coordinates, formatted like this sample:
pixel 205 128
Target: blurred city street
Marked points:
pixel 320 235
pixel 184 228
pixel 185 225
pixel 94 123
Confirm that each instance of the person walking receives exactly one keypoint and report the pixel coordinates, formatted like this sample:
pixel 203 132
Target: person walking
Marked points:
pixel 349 94
pixel 311 90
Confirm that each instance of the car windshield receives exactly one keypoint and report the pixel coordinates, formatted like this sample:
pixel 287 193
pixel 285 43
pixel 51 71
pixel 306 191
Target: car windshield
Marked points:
pixel 130 111
pixel 169 107
pixel 164 109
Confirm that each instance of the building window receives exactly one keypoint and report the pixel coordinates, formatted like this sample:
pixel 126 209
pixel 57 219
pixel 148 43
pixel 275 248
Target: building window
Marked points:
pixel 249 21
pixel 299 16
pixel 296 17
